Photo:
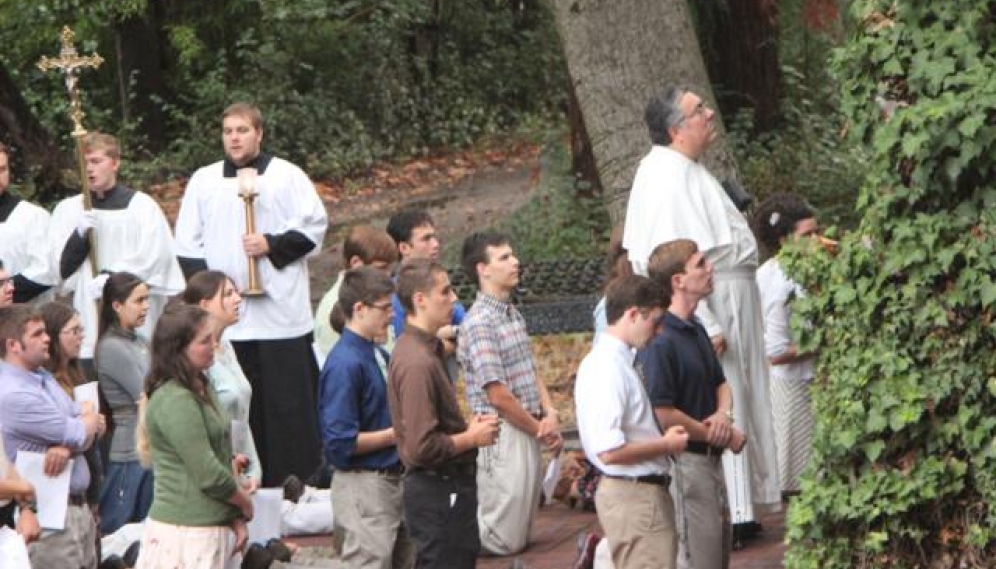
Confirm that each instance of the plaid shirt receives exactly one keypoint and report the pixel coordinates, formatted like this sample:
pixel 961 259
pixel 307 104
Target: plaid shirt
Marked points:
pixel 494 346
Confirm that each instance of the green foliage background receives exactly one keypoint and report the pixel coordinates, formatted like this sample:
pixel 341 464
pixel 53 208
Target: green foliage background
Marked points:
pixel 904 471
pixel 342 83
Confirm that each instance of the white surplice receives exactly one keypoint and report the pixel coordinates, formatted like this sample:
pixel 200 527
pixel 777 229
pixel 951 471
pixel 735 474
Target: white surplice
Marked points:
pixel 136 239
pixel 674 197
pixel 211 225
pixel 22 244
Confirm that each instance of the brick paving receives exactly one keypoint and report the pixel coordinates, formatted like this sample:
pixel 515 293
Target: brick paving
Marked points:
pixel 554 543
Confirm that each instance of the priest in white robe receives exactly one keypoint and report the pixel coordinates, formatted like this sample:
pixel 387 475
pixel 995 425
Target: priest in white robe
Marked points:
pixel 273 337
pixel 674 196
pixel 132 235
pixel 23 226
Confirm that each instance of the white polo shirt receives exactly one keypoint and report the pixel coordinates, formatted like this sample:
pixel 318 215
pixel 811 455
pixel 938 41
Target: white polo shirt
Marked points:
pixel 613 408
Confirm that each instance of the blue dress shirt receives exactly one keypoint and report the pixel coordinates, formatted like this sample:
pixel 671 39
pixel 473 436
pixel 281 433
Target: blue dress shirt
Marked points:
pixel 352 395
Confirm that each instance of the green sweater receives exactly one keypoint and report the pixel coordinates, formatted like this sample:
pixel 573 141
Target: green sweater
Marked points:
pixel 191 457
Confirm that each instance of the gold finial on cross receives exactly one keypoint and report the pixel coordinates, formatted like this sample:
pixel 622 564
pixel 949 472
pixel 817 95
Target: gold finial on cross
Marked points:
pixel 69 63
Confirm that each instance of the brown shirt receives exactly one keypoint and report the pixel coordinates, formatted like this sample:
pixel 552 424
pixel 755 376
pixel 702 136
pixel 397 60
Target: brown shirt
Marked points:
pixel 424 408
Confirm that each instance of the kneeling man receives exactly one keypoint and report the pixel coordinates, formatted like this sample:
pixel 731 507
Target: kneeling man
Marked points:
pixel 356 429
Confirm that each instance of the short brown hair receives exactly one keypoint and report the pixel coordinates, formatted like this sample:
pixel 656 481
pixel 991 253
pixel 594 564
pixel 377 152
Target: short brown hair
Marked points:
pixel 4 150
pixel 362 284
pixel 630 291
pixel 668 259
pixel 100 142
pixel 370 245
pixel 14 318
pixel 245 110
pixel 416 275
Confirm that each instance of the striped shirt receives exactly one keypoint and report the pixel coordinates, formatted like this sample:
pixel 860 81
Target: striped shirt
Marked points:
pixel 494 346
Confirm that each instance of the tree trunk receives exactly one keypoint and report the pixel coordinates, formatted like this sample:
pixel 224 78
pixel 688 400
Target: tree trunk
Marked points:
pixel 582 158
pixel 619 54
pixel 35 152
pixel 140 75
pixel 744 58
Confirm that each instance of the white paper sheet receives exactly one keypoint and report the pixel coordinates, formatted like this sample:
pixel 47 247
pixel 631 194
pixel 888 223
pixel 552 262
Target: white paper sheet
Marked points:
pixel 552 477
pixel 13 552
pixel 265 523
pixel 52 492
pixel 87 392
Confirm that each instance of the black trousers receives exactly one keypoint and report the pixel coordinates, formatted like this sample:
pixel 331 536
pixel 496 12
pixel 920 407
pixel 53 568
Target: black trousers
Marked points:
pixel 282 416
pixel 441 517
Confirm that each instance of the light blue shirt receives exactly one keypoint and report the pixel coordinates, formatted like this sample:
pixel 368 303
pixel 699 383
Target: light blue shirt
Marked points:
pixel 37 414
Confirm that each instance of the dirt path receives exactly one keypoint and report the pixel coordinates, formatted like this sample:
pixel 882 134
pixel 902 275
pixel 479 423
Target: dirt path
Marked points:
pixel 462 195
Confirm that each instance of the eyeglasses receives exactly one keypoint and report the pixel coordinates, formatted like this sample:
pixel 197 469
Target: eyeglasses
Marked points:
pixel 74 331
pixel 699 109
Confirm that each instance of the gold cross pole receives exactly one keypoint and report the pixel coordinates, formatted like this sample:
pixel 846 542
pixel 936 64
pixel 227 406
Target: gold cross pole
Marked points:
pixel 69 63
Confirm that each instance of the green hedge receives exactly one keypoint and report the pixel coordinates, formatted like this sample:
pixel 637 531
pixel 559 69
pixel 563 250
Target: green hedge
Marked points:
pixel 904 470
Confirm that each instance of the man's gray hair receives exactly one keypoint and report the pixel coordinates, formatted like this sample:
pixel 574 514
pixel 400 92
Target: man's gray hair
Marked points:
pixel 664 113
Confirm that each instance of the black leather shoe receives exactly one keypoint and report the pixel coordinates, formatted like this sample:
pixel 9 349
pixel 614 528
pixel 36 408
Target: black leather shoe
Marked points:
pixel 293 488
pixel 112 562
pixel 130 556
pixel 257 557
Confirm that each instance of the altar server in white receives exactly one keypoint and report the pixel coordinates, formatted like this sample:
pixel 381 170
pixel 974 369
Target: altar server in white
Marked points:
pixel 273 337
pixel 23 234
pixel 675 197
pixel 132 235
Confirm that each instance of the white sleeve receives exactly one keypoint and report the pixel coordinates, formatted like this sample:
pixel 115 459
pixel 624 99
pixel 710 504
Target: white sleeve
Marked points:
pixel 304 210
pixel 600 407
pixel 188 235
pixel 61 225
pixel 39 264
pixel 775 291
pixel 153 258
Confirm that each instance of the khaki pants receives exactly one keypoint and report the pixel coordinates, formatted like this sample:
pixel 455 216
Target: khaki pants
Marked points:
pixel 508 491
pixel 368 521
pixel 638 520
pixel 702 513
pixel 72 548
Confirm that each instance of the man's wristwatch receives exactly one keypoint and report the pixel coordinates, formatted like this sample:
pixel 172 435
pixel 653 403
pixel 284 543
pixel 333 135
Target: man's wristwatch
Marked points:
pixel 29 505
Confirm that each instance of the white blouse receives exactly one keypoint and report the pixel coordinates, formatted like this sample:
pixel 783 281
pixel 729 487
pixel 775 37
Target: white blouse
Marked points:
pixel 777 292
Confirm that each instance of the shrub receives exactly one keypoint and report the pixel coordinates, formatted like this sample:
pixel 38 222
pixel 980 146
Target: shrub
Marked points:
pixel 904 465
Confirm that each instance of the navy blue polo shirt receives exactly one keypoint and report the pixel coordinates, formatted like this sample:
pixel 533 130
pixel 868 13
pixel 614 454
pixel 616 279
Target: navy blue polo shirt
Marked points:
pixel 352 397
pixel 681 369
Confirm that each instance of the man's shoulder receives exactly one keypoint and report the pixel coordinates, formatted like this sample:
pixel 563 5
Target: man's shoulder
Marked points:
pixel 26 208
pixel 479 314
pixel 68 204
pixel 204 173
pixel 141 199
pixel 284 167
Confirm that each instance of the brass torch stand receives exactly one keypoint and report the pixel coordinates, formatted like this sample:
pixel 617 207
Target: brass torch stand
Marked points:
pixel 247 191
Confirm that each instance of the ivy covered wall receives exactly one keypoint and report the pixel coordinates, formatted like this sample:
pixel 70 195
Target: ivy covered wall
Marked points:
pixel 904 469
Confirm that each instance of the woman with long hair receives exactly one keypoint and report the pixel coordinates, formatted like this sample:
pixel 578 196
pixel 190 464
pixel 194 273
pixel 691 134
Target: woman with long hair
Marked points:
pixel 65 332
pixel 216 293
pixel 779 219
pixel 122 362
pixel 199 513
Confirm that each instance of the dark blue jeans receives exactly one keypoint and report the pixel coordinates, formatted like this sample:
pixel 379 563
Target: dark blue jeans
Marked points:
pixel 125 495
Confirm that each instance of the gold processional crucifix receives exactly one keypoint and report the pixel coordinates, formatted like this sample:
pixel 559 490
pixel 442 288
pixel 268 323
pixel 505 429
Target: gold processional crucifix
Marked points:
pixel 69 63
